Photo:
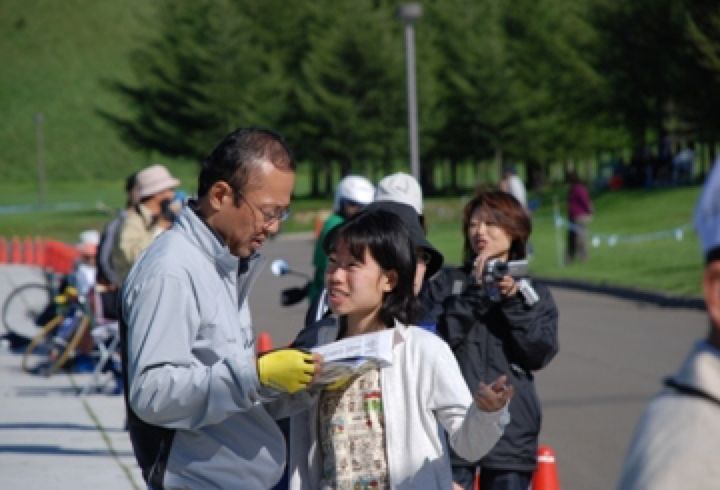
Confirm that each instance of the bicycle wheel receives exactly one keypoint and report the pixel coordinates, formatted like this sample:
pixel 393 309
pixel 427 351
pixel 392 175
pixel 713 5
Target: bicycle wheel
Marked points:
pixel 36 354
pixel 22 308
pixel 69 351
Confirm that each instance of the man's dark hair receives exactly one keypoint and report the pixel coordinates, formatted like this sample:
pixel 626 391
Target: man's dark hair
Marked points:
pixel 238 153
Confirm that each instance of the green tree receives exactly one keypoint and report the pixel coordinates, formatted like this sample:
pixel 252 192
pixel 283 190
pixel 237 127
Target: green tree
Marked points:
pixel 350 91
pixel 210 69
pixel 643 52
pixel 514 80
pixel 699 103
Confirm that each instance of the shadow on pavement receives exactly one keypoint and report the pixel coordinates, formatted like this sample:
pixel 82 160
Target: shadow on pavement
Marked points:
pixel 34 391
pixel 60 451
pixel 52 426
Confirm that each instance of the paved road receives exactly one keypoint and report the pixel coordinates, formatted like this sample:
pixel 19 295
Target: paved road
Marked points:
pixel 613 354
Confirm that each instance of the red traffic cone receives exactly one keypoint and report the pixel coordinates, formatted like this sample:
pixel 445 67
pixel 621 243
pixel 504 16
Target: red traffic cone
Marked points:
pixel 3 250
pixel 15 251
pixel 264 343
pixel 28 251
pixel 40 252
pixel 546 475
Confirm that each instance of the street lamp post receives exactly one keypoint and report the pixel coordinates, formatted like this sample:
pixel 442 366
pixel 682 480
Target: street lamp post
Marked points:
pixel 40 160
pixel 409 13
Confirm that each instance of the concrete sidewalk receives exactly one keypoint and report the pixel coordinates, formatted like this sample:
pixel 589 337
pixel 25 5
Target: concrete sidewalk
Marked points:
pixel 52 438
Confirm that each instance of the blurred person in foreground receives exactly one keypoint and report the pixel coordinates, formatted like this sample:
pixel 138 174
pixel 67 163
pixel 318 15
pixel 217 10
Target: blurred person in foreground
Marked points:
pixel 677 440
pixel 151 215
pixel 494 329
pixel 201 405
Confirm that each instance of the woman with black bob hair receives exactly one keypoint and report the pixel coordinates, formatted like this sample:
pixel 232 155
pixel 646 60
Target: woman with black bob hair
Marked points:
pixel 379 428
pixel 399 303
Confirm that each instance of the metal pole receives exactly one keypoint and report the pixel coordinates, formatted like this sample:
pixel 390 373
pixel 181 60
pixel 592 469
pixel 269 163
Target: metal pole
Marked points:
pixel 412 100
pixel 40 143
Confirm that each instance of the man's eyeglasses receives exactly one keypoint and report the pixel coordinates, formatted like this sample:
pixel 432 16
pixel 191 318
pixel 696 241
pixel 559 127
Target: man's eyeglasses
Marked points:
pixel 269 217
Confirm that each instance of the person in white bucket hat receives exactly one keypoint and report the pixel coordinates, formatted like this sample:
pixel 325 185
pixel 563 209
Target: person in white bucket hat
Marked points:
pixel 403 188
pixel 677 440
pixel 155 189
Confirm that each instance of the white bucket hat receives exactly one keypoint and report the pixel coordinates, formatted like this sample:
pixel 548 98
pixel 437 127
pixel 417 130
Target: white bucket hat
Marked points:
pixel 401 187
pixel 154 179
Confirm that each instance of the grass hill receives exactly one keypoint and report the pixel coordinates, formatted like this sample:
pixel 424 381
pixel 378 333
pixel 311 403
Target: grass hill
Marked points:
pixel 57 55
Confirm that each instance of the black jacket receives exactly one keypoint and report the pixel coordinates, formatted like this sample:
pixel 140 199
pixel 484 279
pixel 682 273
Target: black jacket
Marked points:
pixel 490 339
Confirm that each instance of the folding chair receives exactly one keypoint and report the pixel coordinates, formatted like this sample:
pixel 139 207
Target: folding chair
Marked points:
pixel 106 339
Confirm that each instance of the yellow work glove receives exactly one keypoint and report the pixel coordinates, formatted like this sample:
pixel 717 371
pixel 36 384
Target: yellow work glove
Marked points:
pixel 288 370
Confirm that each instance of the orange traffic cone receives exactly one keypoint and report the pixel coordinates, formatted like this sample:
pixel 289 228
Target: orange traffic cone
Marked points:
pixel 15 251
pixel 3 250
pixel 40 252
pixel 546 475
pixel 28 251
pixel 264 343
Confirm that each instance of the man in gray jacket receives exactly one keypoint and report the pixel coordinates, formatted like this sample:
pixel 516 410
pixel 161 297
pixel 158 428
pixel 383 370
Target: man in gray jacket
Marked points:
pixel 197 396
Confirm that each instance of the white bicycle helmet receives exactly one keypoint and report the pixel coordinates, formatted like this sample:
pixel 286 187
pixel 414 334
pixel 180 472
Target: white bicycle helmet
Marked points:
pixel 353 188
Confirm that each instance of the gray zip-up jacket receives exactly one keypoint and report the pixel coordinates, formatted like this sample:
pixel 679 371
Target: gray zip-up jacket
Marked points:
pixel 195 406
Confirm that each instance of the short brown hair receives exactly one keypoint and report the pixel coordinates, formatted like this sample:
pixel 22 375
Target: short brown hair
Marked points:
pixel 510 216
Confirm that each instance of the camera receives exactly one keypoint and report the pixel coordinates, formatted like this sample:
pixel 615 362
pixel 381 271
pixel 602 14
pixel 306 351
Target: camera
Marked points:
pixel 496 269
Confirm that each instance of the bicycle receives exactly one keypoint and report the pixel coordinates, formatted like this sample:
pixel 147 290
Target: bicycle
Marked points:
pixel 30 305
pixel 58 340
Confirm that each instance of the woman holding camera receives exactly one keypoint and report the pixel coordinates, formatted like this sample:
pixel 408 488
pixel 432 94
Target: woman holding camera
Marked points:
pixel 497 326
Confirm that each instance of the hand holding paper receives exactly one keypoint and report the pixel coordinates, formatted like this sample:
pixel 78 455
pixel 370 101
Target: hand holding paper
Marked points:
pixel 349 357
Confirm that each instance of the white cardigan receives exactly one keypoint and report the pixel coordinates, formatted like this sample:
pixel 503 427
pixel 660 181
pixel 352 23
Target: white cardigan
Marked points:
pixel 423 391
